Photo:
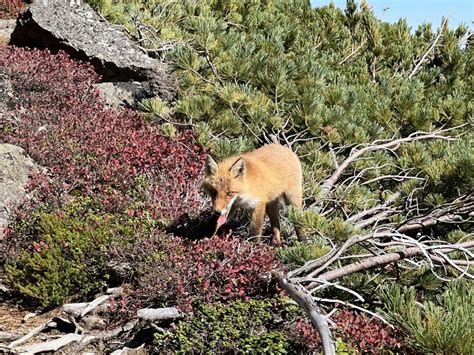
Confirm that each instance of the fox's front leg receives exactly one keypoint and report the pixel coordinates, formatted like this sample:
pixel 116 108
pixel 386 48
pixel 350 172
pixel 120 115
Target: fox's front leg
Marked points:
pixel 256 221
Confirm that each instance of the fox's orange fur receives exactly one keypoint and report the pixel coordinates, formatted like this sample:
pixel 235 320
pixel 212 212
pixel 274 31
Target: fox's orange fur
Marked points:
pixel 261 181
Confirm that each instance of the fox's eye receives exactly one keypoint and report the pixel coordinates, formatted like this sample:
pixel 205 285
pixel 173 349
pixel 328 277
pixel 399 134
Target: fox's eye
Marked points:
pixel 230 193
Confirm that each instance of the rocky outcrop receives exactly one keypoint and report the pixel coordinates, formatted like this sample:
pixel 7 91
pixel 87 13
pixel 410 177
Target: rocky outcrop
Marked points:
pixel 123 93
pixel 15 167
pixel 6 29
pixel 74 27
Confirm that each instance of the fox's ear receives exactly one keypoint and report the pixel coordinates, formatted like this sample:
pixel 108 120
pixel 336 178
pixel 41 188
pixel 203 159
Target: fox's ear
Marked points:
pixel 238 169
pixel 210 167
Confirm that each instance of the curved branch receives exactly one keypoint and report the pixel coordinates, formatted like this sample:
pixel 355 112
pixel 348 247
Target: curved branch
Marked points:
pixel 432 46
pixel 377 145
pixel 301 296
pixel 382 260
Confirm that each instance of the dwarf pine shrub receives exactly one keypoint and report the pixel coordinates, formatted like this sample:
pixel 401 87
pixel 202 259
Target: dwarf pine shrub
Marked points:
pixel 441 325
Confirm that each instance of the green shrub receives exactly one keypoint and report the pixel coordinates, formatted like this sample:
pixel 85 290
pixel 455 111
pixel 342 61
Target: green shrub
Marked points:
pixel 440 326
pixel 299 253
pixel 243 327
pixel 68 255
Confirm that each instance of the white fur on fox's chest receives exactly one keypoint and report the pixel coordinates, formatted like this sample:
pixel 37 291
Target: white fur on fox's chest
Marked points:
pixel 247 202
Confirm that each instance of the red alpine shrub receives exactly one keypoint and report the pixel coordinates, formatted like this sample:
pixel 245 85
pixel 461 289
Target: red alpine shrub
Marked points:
pixel 9 8
pixel 181 272
pixel 115 156
pixel 368 335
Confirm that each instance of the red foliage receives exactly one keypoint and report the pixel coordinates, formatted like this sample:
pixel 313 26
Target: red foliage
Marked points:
pixel 181 272
pixel 9 8
pixel 115 156
pixel 368 335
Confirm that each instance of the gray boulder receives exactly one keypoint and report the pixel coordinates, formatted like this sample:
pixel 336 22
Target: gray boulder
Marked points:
pixel 123 94
pixel 6 29
pixel 15 167
pixel 74 27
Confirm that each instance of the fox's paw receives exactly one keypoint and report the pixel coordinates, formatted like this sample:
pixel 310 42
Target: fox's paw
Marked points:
pixel 276 242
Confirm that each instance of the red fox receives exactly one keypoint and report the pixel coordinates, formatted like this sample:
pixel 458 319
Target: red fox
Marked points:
pixel 260 182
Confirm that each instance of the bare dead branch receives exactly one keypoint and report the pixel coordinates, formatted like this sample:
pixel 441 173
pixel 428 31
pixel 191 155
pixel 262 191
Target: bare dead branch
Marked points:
pixel 449 213
pixel 392 177
pixel 353 52
pixel 374 210
pixel 212 66
pixel 301 296
pixel 326 260
pixel 52 345
pixel 430 49
pixel 378 145
pixel 365 310
pixel 235 111
pixel 376 218
pixel 30 335
pixel 381 260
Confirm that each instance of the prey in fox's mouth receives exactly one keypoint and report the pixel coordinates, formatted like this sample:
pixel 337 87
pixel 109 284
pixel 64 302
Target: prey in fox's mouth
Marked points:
pixel 225 212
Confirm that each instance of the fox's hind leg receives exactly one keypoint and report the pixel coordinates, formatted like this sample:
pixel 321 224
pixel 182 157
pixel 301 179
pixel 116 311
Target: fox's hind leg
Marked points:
pixel 273 212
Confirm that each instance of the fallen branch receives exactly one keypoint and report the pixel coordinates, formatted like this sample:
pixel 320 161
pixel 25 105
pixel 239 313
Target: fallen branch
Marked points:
pixel 53 345
pixel 351 305
pixel 30 335
pixel 381 260
pixel 95 303
pixel 450 213
pixel 371 211
pixel 323 262
pixel 8 337
pixel 300 295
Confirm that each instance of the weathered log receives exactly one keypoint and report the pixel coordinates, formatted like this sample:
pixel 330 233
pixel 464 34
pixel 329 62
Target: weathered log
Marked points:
pixel 159 314
pixel 75 309
pixel 52 345
pixel 7 337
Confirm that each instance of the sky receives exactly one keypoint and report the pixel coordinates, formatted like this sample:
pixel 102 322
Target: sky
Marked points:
pixel 418 11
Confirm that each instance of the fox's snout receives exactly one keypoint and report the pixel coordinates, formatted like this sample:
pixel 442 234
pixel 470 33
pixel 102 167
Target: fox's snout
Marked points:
pixel 219 205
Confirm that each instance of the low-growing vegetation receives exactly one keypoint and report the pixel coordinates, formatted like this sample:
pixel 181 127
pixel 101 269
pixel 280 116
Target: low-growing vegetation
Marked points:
pixel 440 324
